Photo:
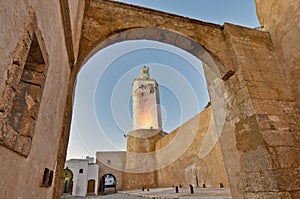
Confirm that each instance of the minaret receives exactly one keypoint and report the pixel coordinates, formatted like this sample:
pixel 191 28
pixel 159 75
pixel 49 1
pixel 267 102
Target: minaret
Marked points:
pixel 146 112
pixel 146 115
pixel 147 130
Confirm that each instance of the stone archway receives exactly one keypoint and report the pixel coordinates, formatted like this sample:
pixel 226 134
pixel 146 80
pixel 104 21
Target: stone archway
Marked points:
pixel 240 64
pixel 109 182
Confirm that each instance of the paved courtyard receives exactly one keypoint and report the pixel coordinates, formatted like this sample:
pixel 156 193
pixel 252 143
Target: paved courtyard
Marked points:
pixel 110 196
pixel 165 193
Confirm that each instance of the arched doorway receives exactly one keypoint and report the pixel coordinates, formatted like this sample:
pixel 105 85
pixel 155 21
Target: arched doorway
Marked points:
pixel 108 184
pixel 68 183
pixel 91 186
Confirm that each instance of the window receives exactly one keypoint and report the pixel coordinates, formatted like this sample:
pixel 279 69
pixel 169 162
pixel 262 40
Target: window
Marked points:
pixel 80 170
pixel 47 178
pixel 19 105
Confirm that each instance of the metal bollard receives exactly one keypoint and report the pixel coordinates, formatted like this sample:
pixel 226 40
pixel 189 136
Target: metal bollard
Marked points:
pixel 176 189
pixel 221 185
pixel 143 188
pixel 191 189
pixel 204 186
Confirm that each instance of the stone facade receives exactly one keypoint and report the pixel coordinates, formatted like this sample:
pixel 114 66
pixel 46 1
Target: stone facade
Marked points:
pixel 252 76
pixel 33 84
pixel 191 154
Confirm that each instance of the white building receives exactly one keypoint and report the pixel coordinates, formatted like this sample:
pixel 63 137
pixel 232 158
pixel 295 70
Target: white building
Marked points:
pixel 81 177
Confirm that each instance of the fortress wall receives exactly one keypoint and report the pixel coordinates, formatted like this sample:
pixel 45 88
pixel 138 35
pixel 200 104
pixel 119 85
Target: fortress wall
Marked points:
pixel 111 163
pixel 282 20
pixel 143 140
pixel 20 176
pixel 166 139
pixel 139 180
pixel 202 161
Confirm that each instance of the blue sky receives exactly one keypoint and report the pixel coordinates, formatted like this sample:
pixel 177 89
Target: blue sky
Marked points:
pixel 102 104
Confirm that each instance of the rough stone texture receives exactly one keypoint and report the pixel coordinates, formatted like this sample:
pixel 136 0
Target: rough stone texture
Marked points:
pixel 143 140
pixel 188 155
pixel 25 173
pixel 261 112
pixel 112 163
pixel 253 79
pixel 281 19
pixel 103 25
pixel 197 163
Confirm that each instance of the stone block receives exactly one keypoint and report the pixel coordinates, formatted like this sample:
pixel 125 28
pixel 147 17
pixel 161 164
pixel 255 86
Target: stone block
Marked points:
pixel 256 160
pixel 280 138
pixel 40 68
pixel 33 77
pixel 288 157
pixel 248 136
pixel 14 75
pixel 35 93
pixel 288 179
pixel 295 194
pixel 289 108
pixel 265 106
pixel 242 95
pixel 285 195
pixel 27 126
pixel 22 51
pixel 10 138
pixel 18 107
pixel 262 181
pixel 262 195
pixel 23 145
pixel 6 101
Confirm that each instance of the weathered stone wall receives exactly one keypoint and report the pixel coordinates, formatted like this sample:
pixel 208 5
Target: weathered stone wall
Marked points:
pixel 246 83
pixel 21 176
pixel 202 161
pixel 282 20
pixel 263 114
pixel 166 162
pixel 143 140
pixel 111 163
pixel 260 138
pixel 76 15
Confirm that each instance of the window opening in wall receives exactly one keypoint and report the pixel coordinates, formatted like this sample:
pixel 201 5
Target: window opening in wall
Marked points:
pixel 23 90
pixel 47 178
pixel 80 170
pixel 28 94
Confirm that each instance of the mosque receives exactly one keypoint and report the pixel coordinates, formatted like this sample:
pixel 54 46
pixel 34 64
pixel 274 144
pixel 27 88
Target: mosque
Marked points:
pixel 252 76
pixel 154 158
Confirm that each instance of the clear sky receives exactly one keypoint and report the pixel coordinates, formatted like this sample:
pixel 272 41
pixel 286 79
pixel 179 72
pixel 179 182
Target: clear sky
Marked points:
pixel 102 104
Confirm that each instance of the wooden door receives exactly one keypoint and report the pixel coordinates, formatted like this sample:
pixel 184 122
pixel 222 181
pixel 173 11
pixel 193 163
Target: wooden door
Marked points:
pixel 91 186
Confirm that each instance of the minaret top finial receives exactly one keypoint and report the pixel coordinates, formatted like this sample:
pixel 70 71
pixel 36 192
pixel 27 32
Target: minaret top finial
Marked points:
pixel 144 72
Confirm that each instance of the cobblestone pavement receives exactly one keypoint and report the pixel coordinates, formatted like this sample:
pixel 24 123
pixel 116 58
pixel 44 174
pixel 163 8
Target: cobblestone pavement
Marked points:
pixel 165 193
